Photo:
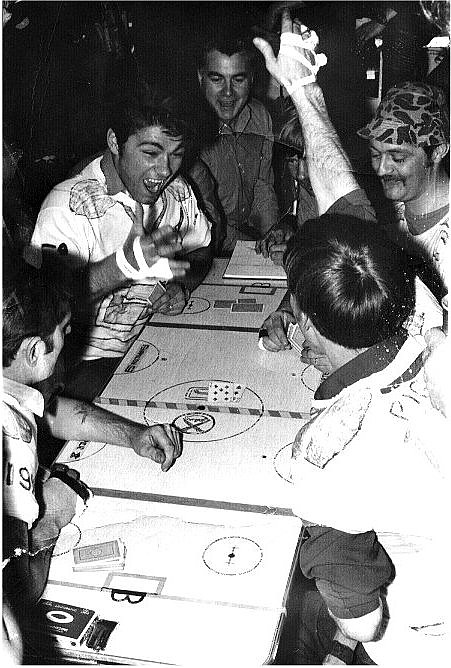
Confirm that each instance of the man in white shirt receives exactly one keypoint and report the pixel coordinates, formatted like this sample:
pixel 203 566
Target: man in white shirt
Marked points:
pixel 118 222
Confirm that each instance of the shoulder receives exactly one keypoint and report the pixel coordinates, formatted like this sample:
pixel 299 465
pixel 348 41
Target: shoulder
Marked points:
pixel 354 203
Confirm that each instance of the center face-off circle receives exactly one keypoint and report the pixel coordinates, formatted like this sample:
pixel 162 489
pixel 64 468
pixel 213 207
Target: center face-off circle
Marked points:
pixel 232 555
pixel 186 406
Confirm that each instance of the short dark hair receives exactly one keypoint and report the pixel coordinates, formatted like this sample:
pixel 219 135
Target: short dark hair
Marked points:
pixel 354 284
pixel 34 303
pixel 229 45
pixel 146 109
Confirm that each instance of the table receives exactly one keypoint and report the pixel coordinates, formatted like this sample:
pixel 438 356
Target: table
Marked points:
pixel 212 543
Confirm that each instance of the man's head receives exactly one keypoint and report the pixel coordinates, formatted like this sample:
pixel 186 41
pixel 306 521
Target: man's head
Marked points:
pixel 291 137
pixel 36 318
pixel 147 142
pixel 349 284
pixel 409 137
pixel 225 74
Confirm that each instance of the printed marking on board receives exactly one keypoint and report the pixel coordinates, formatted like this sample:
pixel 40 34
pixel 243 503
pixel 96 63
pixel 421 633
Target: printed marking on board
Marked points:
pixel 235 410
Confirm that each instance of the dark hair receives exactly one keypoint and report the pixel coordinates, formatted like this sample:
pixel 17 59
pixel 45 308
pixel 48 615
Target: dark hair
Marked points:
pixel 34 303
pixel 229 45
pixel 145 109
pixel 291 134
pixel 355 285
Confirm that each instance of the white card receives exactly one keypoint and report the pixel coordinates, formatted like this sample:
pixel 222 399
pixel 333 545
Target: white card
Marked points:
pixel 221 391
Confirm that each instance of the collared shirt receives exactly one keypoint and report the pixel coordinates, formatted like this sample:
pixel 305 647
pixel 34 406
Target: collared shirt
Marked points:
pixel 240 162
pixel 19 405
pixel 369 479
pixel 93 219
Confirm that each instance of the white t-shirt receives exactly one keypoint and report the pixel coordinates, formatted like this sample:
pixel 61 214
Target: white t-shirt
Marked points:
pixel 93 224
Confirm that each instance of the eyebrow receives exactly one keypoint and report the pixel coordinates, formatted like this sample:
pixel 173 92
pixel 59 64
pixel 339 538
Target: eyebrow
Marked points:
pixel 155 144
pixel 404 151
pixel 219 74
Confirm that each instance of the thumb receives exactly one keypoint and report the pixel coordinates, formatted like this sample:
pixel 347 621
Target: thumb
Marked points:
pixel 266 50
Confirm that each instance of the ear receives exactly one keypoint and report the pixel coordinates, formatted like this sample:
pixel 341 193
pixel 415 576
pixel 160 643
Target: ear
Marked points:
pixel 439 152
pixel 200 77
pixel 112 142
pixel 32 350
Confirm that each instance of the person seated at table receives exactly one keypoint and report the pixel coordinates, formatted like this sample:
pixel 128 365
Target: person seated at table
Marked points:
pixel 239 157
pixel 331 175
pixel 118 222
pixel 352 290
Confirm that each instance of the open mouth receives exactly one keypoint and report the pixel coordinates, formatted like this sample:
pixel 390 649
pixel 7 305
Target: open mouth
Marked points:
pixel 154 185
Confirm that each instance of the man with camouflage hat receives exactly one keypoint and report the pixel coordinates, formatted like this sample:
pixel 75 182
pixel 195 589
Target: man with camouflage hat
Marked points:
pixel 408 141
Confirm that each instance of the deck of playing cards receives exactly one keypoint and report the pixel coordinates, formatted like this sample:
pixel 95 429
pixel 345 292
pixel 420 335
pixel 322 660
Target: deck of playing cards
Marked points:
pixel 295 337
pixel 108 556
pixel 69 624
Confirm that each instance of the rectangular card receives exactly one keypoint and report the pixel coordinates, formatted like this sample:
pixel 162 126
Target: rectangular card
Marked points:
pixel 66 620
pixel 295 337
pixel 222 303
pixel 247 308
pixel 224 392
pixel 250 300
pixel 257 289
pixel 157 292
pixel 96 552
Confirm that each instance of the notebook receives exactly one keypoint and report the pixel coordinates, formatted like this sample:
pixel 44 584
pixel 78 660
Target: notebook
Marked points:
pixel 246 264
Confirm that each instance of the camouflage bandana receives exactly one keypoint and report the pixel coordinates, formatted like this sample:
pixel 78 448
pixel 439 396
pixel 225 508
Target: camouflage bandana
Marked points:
pixel 411 113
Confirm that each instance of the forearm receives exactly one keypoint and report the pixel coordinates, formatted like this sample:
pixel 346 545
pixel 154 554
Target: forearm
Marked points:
pixel 77 420
pixel 329 168
pixel 100 278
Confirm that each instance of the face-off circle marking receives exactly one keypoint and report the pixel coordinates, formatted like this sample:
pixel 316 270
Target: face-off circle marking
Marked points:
pixel 232 555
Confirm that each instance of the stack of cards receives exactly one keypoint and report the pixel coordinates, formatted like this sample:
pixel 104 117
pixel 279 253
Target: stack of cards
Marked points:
pixel 295 337
pixel 108 556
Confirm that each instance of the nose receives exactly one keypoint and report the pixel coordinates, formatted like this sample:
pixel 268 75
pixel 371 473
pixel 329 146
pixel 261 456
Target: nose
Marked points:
pixel 227 88
pixel 383 167
pixel 164 166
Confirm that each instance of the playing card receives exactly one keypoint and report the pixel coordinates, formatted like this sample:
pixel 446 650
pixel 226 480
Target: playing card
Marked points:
pixel 157 292
pixel 247 308
pixel 220 391
pixel 251 300
pixel 295 337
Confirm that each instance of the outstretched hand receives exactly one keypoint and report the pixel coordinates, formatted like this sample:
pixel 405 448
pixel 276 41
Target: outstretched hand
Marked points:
pixel 289 66
pixel 161 243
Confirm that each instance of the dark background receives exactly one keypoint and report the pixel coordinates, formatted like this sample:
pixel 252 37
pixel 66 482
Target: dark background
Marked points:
pixel 63 62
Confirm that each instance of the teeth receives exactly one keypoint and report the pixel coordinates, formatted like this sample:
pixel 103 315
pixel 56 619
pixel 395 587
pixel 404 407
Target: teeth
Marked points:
pixel 153 184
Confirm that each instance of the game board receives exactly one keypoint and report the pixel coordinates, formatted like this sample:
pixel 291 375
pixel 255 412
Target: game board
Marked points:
pixel 229 447
pixel 222 575
pixel 226 306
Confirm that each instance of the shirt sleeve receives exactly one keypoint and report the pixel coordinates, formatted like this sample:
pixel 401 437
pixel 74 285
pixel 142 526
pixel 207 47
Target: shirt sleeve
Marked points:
pixel 349 569
pixel 58 225
pixel 196 231
pixel 19 467
pixel 356 204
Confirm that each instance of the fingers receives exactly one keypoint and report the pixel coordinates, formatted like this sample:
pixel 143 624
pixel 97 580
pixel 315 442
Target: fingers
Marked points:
pixel 178 268
pixel 164 445
pixel 277 252
pixel 172 302
pixel 286 22
pixel 277 338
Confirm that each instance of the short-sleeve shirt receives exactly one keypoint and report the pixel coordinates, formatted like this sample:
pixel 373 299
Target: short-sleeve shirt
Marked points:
pixel 20 463
pixel 93 224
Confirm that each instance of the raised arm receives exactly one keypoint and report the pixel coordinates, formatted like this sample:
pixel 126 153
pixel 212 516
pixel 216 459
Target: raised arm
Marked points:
pixel 330 170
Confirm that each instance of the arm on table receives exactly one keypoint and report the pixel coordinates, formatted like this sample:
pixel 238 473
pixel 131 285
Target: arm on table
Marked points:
pixel 78 420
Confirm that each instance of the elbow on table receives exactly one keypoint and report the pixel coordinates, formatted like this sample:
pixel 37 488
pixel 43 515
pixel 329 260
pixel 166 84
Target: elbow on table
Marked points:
pixel 362 629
